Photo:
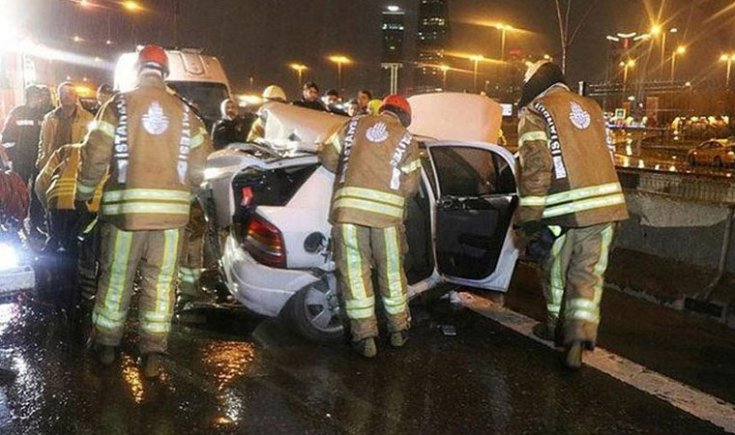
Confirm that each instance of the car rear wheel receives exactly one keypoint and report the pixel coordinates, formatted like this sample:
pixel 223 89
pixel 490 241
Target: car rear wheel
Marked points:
pixel 314 311
pixel 718 162
pixel 692 160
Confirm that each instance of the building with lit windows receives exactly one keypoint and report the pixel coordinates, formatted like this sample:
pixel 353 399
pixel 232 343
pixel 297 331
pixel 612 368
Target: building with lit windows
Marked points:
pixel 431 44
pixel 393 28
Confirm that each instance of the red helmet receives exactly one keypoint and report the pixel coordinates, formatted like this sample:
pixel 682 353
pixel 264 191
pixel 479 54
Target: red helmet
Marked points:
pixel 153 56
pixel 398 102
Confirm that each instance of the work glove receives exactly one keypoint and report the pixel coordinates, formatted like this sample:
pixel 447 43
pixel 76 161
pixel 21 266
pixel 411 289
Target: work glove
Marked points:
pixel 539 239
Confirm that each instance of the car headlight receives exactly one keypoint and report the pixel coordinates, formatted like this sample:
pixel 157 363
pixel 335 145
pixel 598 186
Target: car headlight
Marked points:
pixel 731 153
pixel 8 256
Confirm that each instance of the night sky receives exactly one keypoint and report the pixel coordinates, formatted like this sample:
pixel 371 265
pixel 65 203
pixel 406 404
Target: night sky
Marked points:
pixel 260 38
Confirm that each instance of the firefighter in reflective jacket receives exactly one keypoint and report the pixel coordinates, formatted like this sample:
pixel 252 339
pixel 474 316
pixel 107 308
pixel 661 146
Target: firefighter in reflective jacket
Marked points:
pixel 570 199
pixel 155 147
pixel 376 161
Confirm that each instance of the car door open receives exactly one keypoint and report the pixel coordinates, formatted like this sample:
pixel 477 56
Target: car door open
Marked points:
pixel 477 196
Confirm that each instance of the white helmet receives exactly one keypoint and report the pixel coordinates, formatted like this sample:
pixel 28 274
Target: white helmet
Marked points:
pixel 274 92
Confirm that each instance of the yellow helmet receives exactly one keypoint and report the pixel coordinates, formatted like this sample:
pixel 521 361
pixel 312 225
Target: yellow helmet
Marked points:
pixel 274 92
pixel 374 106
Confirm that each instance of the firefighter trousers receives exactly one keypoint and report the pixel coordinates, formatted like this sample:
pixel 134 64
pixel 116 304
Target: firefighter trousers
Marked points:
pixel 573 281
pixel 356 249
pixel 155 254
pixel 190 269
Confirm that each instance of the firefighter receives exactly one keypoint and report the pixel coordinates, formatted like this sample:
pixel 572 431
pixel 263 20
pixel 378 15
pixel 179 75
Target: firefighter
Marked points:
pixel 66 124
pixel 272 93
pixel 376 161
pixel 22 130
pixel 570 198
pixel 155 147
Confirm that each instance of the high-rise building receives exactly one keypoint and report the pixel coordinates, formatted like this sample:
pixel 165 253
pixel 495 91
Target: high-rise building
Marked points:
pixel 392 57
pixel 432 42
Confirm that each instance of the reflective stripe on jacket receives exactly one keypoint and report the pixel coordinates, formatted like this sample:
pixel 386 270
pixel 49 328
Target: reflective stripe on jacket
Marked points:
pixel 376 162
pixel 567 174
pixel 55 185
pixel 156 150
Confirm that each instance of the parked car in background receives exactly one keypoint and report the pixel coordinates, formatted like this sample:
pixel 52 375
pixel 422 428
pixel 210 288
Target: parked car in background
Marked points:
pixel 717 152
pixel 272 204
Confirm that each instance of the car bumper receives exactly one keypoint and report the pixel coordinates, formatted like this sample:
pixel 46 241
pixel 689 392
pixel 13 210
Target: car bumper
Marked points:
pixel 262 289
pixel 16 279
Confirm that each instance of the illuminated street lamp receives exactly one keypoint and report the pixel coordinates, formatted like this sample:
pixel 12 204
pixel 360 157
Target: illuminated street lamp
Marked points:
pixel 340 60
pixel 658 31
pixel 503 28
pixel 680 50
pixel 626 65
pixel 729 58
pixel 299 68
pixel 444 69
pixel 476 59
pixel 132 6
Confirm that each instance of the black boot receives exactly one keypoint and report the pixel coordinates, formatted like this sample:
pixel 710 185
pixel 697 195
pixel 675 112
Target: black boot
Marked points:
pixel 573 355
pixel 104 354
pixel 152 364
pixel 365 347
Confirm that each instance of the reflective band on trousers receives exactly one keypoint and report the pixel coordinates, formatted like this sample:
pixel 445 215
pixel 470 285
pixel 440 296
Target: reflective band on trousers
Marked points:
pixel 571 195
pixel 370 194
pixel 396 301
pixel 146 194
pixel 373 207
pixel 145 208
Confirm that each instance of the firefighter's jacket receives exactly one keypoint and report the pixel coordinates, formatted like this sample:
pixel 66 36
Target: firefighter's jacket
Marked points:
pixel 55 185
pixel 376 164
pixel 47 145
pixel 567 173
pixel 155 147
pixel 20 135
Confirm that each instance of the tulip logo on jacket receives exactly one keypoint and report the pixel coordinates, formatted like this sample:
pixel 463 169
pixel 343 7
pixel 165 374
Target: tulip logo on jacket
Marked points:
pixel 579 117
pixel 155 121
pixel 377 133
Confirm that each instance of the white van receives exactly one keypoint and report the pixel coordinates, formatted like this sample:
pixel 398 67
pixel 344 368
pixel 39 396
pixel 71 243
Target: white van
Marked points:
pixel 195 76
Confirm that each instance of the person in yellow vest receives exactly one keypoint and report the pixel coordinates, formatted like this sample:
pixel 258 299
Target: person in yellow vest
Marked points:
pixel 376 164
pixel 570 198
pixel 55 187
pixel 155 148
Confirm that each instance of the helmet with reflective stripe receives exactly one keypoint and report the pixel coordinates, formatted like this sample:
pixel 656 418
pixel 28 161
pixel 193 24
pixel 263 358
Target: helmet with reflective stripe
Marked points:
pixel 398 105
pixel 153 56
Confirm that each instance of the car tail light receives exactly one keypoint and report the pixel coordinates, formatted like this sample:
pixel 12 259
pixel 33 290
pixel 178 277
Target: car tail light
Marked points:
pixel 264 242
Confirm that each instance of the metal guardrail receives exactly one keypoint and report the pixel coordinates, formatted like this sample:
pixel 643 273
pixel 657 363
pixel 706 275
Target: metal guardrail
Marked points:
pixel 690 187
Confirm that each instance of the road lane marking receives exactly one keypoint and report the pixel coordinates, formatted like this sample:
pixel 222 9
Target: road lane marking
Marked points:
pixel 688 399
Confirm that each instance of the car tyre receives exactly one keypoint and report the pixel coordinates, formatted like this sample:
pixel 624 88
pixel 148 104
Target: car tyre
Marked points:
pixel 314 312
pixel 718 162
pixel 692 160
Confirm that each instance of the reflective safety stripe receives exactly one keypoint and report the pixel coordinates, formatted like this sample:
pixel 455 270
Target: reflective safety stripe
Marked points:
pixel 108 314
pixel 156 327
pixel 556 290
pixel 587 204
pixel 395 303
pixel 533 135
pixel 168 267
pixel 582 304
pixel 103 127
pixel 410 167
pixel 145 208
pixel 571 195
pixel 146 194
pixel 85 189
pixel 373 207
pixel 360 313
pixel 197 140
pixel 601 266
pixel 585 315
pixel 372 194
pixel 354 262
pixel 360 303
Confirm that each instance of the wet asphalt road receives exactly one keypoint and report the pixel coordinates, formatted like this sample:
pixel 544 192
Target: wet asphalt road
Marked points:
pixel 241 374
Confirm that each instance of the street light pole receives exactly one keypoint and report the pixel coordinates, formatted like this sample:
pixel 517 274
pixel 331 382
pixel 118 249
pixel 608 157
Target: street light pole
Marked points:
pixel 339 60
pixel 445 69
pixel 727 58
pixel 476 59
pixel 299 68
pixel 679 51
